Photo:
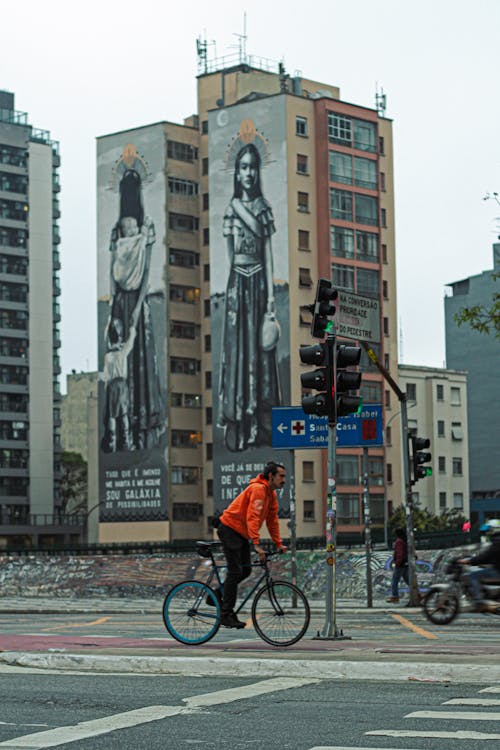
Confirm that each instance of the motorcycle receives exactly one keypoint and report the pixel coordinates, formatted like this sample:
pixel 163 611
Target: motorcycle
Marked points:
pixel 444 601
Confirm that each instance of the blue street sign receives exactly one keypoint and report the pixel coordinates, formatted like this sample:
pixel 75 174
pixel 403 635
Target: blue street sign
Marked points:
pixel 293 428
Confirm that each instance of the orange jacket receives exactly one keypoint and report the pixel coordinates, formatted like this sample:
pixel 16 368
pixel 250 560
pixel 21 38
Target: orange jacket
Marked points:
pixel 256 504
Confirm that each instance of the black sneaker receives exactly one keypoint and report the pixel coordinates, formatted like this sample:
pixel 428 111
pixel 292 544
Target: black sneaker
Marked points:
pixel 229 620
pixel 210 601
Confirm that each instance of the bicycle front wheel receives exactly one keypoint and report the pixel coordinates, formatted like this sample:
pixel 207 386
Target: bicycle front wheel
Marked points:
pixel 191 612
pixel 280 613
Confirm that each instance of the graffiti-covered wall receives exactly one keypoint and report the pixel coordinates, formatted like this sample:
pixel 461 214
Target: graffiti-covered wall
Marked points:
pixel 249 286
pixel 131 325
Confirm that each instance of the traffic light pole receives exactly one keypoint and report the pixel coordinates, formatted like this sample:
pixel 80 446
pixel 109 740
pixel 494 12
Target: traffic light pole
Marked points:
pixel 330 629
pixel 414 595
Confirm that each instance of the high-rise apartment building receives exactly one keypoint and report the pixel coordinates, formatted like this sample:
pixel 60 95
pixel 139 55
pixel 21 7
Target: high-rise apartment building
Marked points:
pixel 220 224
pixel 29 332
pixel 479 355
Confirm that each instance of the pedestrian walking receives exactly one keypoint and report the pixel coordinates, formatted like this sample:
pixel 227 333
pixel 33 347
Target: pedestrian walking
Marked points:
pixel 400 564
pixel 239 527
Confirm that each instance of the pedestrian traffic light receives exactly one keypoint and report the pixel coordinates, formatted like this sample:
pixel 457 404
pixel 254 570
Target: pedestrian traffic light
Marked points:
pixel 320 380
pixel 419 458
pixel 346 380
pixel 322 308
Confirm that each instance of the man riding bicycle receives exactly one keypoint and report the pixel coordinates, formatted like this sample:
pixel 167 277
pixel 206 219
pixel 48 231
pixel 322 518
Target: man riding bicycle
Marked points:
pixel 240 524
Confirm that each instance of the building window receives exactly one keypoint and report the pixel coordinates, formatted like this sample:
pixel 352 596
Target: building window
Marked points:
pixel 365 135
pixel 192 400
pixel 305 280
pixel 371 392
pixel 206 201
pixel 209 451
pixel 458 500
pixel 187 511
pixel 303 202
pixel 178 186
pixel 383 217
pixel 302 167
pixel 382 181
pixel 204 127
pixel 384 253
pixel 389 473
pixel 440 392
pixel 381 145
pixel 308 471
pixel 367 246
pixel 339 129
pixel 365 173
pixel 388 399
pixel 185 438
pixel 303 239
pixel 457 467
pixel 411 392
pixel 206 236
pixel 343 277
pixel 206 272
pixel 368 282
pixel 305 318
pixel 181 151
pixel 185 475
pixel 183 222
pixel 340 167
pixel 309 514
pixel 442 464
pixel 366 210
pixel 348 509
pixel 208 379
pixel 208 342
pixel 188 294
pixel 385 288
pixel 184 366
pixel 347 470
pixel 340 205
pixel 386 361
pixel 184 258
pixel 457 432
pixel 301 126
pixel 210 487
pixel 388 434
pixel 442 500
pixel 376 471
pixel 440 428
pixel 181 329
pixel 206 308
pixel 342 241
pixel 204 166
pixel 386 326
pixel 208 415
pixel 455 396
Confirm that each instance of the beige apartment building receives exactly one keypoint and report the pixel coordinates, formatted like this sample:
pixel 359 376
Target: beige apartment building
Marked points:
pixel 198 408
pixel 437 409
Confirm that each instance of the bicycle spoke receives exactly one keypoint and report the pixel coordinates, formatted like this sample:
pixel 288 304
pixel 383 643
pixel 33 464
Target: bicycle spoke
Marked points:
pixel 280 613
pixel 191 612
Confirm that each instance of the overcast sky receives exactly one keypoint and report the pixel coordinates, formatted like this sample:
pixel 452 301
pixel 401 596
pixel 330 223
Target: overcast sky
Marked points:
pixel 84 70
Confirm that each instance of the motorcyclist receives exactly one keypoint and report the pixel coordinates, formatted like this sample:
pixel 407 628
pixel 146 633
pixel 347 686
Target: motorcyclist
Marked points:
pixel 489 556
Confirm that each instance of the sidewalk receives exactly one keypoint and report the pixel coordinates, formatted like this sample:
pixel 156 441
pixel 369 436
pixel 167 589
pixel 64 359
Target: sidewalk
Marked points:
pixel 232 655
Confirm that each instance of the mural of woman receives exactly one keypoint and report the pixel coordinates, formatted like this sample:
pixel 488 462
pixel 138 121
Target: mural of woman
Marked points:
pixel 132 239
pixel 249 385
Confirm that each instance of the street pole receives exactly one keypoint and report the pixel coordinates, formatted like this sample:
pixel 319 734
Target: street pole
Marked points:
pixel 330 630
pixel 368 533
pixel 293 529
pixel 414 599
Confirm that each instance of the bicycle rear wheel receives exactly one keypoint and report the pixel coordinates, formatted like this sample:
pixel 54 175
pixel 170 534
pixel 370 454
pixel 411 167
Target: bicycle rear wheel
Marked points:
pixel 191 612
pixel 274 616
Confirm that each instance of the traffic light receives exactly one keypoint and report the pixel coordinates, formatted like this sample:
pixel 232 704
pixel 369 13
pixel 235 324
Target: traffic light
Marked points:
pixel 346 380
pixel 322 308
pixel 322 403
pixel 419 458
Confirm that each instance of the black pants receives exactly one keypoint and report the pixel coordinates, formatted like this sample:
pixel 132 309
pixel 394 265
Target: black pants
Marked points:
pixel 237 551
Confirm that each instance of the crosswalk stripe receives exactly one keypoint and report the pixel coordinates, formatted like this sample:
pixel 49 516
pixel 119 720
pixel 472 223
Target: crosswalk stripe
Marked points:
pixel 437 735
pixel 472 702
pixel 464 715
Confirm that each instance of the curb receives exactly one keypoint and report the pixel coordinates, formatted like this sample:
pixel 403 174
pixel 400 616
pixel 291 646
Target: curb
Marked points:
pixel 221 666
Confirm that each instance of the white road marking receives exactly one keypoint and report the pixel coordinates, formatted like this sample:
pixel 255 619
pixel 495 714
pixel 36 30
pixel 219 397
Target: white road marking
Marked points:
pixel 472 702
pixel 490 690
pixel 86 729
pixel 453 715
pixel 437 735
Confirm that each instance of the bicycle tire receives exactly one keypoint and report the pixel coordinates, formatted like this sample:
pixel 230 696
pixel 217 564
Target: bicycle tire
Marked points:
pixel 274 618
pixel 186 614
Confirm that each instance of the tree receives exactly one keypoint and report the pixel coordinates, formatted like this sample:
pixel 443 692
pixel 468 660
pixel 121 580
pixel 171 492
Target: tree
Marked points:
pixel 73 484
pixel 482 318
pixel 424 520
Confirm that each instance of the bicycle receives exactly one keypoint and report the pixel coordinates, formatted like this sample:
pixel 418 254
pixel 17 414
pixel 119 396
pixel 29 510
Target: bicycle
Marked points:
pixel 192 610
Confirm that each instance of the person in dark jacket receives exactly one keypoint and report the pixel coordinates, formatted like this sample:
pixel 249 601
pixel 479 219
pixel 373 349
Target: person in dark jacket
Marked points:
pixel 400 564
pixel 489 556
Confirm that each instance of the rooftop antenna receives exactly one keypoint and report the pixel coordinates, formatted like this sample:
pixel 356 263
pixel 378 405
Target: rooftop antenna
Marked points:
pixel 201 50
pixel 380 101
pixel 242 40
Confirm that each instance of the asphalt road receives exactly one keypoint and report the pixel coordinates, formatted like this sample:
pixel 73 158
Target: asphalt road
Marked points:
pixel 93 712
